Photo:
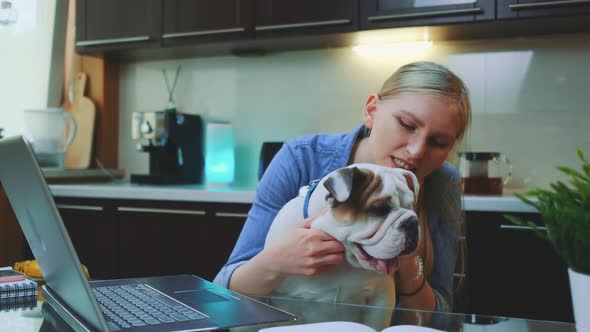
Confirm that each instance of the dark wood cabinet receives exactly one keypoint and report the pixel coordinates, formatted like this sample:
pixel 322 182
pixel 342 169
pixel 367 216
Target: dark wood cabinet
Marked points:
pixel 206 21
pixel 226 226
pixel 162 238
pixel 103 25
pixel 93 230
pixel 278 17
pixel 136 238
pixel 131 30
pixel 540 8
pixel 512 272
pixel 379 14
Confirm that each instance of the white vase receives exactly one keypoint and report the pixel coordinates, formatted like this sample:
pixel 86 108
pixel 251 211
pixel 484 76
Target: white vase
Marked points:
pixel 580 290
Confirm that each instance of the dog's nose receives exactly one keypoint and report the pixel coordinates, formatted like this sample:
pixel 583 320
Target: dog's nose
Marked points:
pixel 410 225
pixel 410 228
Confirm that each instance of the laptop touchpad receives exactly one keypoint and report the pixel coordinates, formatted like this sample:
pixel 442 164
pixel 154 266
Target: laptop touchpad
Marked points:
pixel 201 296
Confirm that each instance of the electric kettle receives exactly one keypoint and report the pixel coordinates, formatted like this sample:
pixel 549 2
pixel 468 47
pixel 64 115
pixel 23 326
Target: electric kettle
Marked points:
pixel 484 173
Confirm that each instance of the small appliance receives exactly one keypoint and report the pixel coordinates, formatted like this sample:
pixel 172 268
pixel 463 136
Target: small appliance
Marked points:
pixel 51 131
pixel 267 152
pixel 484 173
pixel 174 144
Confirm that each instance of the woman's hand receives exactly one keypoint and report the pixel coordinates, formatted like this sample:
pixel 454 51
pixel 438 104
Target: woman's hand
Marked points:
pixel 305 251
pixel 410 273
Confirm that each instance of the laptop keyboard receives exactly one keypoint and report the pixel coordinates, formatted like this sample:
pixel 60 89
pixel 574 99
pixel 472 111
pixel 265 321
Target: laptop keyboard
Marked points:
pixel 140 305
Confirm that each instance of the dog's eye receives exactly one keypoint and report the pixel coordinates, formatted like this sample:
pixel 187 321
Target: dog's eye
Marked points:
pixel 380 209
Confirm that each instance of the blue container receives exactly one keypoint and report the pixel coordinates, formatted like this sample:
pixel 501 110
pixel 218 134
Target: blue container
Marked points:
pixel 219 154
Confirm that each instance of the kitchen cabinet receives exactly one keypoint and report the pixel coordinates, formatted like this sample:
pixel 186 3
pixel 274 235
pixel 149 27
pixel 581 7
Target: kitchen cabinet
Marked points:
pixel 135 238
pixel 105 25
pixel 539 8
pixel 131 30
pixel 93 231
pixel 12 240
pixel 278 17
pixel 179 238
pixel 205 21
pixel 512 272
pixel 379 14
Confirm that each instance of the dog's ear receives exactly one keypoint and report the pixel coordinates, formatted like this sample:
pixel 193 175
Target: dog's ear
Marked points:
pixel 339 184
pixel 412 182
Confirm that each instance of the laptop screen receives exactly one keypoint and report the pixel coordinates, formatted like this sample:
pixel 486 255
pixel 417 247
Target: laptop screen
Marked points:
pixel 44 230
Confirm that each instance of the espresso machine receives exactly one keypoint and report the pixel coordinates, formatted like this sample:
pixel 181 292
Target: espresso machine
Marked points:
pixel 174 144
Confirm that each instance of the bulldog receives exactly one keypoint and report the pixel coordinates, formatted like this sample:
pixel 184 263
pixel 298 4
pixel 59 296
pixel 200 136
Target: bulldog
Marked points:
pixel 370 212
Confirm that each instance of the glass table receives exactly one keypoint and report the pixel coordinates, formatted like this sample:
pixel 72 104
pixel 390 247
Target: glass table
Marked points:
pixel 315 312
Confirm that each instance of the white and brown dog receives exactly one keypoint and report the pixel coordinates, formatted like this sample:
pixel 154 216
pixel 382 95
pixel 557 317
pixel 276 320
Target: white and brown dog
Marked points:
pixel 370 212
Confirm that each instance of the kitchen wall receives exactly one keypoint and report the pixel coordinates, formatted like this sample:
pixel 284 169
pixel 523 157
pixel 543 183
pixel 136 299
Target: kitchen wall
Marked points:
pixel 530 98
pixel 24 62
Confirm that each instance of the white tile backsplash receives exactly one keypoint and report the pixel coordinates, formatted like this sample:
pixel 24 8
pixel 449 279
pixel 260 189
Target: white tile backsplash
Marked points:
pixel 530 98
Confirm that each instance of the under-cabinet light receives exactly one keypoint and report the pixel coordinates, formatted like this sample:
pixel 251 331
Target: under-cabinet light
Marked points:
pixel 392 49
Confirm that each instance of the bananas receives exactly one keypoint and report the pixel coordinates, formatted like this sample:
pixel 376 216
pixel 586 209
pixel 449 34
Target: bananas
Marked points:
pixel 31 269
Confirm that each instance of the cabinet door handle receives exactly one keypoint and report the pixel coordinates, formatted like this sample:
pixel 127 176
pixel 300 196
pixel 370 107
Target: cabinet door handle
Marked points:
pixel 301 25
pixel 201 33
pixel 153 210
pixel 521 228
pixel 112 41
pixel 79 207
pixel 476 10
pixel 231 215
pixel 567 3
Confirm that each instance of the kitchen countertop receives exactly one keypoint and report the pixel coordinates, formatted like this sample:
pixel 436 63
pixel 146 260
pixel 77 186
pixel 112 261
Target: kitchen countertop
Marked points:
pixel 126 190
pixel 201 193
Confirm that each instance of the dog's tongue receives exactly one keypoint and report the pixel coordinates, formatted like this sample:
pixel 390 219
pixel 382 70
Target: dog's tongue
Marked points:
pixel 388 266
pixel 409 182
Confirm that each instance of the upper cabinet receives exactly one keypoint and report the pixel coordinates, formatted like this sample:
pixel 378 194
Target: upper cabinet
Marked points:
pixel 206 20
pixel 305 16
pixel 156 29
pixel 402 13
pixel 539 8
pixel 117 24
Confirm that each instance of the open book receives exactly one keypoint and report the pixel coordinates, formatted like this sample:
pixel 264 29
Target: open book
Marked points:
pixel 345 327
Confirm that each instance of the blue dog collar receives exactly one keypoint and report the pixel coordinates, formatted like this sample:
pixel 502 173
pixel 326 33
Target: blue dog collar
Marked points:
pixel 310 188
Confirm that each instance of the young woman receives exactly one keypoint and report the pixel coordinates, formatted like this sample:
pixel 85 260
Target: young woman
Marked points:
pixel 413 122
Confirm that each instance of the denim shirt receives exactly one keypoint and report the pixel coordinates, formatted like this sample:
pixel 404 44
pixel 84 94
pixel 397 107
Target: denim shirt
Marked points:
pixel 306 158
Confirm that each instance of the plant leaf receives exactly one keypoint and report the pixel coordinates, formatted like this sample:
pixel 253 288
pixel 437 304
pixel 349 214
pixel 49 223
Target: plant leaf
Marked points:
pixel 565 210
pixel 581 156
pixel 527 223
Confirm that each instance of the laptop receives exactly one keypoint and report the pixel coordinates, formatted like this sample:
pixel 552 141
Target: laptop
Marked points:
pixel 166 303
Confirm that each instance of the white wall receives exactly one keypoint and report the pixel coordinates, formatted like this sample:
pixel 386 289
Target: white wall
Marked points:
pixel 530 98
pixel 24 62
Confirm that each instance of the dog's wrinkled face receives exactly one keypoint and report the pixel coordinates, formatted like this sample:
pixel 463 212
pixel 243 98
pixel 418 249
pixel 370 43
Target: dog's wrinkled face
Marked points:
pixel 371 214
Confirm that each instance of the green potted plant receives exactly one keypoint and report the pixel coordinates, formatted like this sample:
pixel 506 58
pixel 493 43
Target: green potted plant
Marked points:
pixel 565 210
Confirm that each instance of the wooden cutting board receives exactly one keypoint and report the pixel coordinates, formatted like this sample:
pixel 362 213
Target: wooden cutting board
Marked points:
pixel 79 154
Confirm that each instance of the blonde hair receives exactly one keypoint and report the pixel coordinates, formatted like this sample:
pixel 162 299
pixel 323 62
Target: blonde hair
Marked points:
pixel 433 78
pixel 430 77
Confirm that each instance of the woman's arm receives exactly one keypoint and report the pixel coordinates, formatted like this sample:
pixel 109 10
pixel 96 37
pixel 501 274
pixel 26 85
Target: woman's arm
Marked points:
pixel 443 208
pixel 275 188
pixel 443 202
pixel 412 286
pixel 254 269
